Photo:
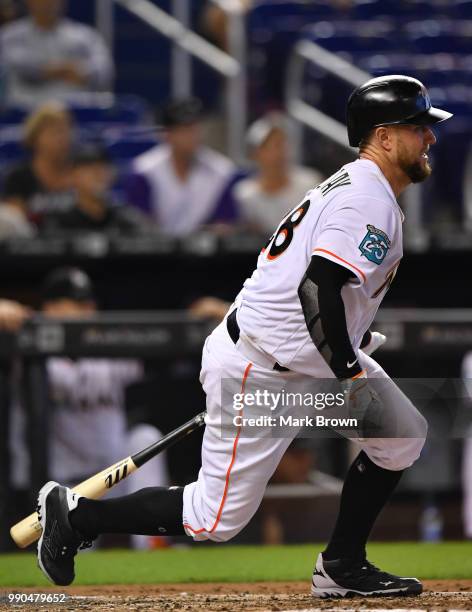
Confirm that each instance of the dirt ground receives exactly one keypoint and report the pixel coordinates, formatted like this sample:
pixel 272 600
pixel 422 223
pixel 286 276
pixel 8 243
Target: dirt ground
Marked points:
pixel 439 595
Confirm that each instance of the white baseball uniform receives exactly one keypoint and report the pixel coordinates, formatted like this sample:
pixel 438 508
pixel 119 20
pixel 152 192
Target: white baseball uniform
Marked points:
pixel 88 424
pixel 354 220
pixel 467 459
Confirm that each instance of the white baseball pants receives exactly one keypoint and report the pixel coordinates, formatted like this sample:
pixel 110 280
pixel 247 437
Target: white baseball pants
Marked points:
pixel 235 471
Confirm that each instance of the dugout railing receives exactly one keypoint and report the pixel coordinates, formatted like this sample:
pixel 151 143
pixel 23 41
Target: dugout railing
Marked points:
pixel 155 336
pixel 416 337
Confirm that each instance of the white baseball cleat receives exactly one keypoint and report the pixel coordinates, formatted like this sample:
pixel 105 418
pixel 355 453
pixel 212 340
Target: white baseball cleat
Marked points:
pixel 347 578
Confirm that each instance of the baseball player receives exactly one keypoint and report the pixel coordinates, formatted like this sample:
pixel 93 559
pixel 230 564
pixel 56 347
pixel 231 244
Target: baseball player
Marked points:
pixel 467 452
pixel 88 418
pixel 301 316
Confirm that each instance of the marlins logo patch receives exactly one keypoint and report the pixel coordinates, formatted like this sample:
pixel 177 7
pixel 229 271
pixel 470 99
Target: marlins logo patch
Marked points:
pixel 375 245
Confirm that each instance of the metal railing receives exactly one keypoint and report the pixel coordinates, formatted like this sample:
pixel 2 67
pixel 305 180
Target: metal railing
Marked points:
pixel 305 52
pixel 186 43
pixel 232 66
pixel 306 115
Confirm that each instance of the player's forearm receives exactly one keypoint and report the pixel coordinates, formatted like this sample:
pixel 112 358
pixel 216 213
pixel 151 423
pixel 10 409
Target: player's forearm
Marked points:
pixel 323 308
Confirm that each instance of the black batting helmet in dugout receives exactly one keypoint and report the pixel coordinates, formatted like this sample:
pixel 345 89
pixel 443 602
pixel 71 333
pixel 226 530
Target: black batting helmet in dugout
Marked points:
pixel 389 100
pixel 67 283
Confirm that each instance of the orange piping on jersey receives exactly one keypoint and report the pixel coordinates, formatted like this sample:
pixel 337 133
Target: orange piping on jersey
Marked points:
pixel 358 375
pixel 228 472
pixel 343 260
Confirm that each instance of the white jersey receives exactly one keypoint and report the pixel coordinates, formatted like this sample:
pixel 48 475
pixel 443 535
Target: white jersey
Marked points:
pixel 88 423
pixel 352 219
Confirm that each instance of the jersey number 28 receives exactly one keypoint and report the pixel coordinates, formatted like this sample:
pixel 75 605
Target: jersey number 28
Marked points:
pixel 280 241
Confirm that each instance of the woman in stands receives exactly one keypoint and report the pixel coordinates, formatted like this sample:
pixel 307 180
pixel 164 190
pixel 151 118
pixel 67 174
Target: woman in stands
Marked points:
pixel 43 183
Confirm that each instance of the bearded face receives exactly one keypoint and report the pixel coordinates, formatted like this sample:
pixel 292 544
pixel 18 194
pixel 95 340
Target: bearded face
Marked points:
pixel 412 158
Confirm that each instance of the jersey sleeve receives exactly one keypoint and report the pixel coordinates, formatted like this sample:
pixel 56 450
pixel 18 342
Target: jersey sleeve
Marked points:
pixel 357 235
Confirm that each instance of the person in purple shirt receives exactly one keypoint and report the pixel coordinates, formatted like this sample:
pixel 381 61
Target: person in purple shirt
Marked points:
pixel 181 183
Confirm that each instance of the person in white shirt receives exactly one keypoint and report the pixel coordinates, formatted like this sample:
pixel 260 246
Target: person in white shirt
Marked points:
pixel 467 451
pixel 298 325
pixel 45 56
pixel 264 197
pixel 181 183
pixel 88 428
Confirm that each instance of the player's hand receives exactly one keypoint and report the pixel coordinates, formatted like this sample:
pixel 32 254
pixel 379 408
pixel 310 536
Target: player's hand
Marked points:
pixel 376 340
pixel 209 308
pixel 12 315
pixel 363 404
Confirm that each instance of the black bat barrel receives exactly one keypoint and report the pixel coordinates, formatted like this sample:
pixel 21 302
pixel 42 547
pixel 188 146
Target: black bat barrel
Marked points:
pixel 171 438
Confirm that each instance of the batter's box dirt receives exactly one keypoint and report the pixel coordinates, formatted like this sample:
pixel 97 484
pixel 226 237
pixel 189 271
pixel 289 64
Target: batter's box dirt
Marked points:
pixel 439 595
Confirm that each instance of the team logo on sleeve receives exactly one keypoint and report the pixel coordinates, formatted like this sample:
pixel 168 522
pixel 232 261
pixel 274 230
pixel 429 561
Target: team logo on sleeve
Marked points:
pixel 375 245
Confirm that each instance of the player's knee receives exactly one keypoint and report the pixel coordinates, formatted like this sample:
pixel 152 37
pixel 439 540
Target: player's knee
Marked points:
pixel 225 532
pixel 420 428
pixel 409 449
pixel 227 524
pixel 404 454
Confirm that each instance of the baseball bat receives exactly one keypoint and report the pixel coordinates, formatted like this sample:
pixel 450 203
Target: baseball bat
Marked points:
pixel 28 530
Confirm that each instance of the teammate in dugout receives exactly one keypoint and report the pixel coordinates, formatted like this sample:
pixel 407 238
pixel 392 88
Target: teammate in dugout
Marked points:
pixel 318 284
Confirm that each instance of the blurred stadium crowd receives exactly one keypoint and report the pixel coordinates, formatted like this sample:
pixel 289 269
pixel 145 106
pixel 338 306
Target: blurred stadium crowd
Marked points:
pixel 44 57
pixel 91 142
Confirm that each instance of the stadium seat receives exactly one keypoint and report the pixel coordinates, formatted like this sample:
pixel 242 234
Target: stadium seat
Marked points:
pixel 126 109
pixel 11 115
pixel 10 152
pixel 93 109
pixel 356 44
pixel 353 38
pixel 439 36
pixel 263 14
pixel 451 152
pixel 402 9
pixel 461 9
pixel 379 64
pixel 124 149
pixel 144 57
pixel 368 9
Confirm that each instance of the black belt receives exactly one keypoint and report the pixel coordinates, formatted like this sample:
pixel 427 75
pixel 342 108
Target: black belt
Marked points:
pixel 234 333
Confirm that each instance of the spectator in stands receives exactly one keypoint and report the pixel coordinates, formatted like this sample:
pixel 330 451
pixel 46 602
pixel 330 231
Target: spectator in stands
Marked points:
pixel 46 56
pixel 94 210
pixel 44 183
pixel 181 183
pixel 265 197
pixel 215 22
pixel 8 11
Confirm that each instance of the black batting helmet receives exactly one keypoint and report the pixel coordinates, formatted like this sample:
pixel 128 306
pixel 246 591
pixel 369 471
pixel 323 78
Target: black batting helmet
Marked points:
pixel 67 283
pixel 393 99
